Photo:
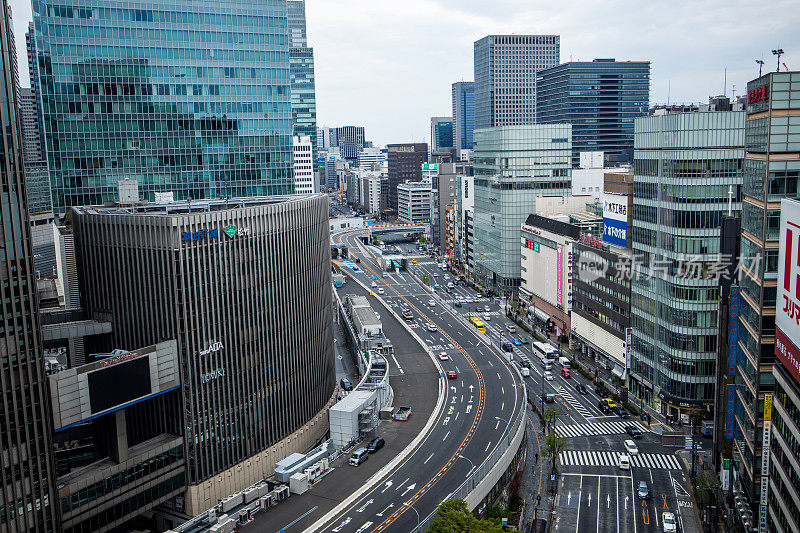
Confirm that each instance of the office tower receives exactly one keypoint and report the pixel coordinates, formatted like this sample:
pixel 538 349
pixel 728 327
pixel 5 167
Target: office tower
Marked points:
pixel 463 114
pixel 505 77
pixel 687 174
pixel 213 113
pixel 350 140
pixel 405 164
pixel 29 125
pixel 441 133
pixel 514 165
pixel 296 23
pixel 27 500
pixel 414 202
pixel 771 173
pixel 600 98
pixel 250 307
pixel 371 158
pixel 303 165
pixel 304 98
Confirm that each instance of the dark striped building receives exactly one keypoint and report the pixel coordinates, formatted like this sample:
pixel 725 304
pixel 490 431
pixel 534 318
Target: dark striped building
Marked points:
pixel 243 285
pixel 26 478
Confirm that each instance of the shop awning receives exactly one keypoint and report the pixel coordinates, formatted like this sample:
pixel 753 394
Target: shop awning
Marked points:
pixel 619 372
pixel 541 315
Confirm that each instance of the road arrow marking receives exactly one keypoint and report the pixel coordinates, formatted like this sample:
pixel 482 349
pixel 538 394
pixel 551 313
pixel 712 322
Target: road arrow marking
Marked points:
pixel 366 504
pixel 470 388
pixel 410 487
pixel 340 526
pixel 389 484
pixel 569 496
pixel 608 501
pixel 364 527
pixel 590 500
pixel 626 503
pixel 387 508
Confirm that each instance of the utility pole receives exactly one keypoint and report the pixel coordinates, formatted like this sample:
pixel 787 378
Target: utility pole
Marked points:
pixel 760 66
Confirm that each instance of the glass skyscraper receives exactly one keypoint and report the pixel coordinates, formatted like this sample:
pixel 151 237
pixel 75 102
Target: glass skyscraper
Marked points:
pixel 185 96
pixel 505 77
pixel 687 174
pixel 513 165
pixel 463 114
pixel 441 133
pixel 304 97
pixel 600 99
pixel 27 476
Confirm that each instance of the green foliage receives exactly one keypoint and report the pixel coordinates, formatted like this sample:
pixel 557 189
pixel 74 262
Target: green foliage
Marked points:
pixel 426 279
pixel 549 418
pixel 454 517
pixel 554 444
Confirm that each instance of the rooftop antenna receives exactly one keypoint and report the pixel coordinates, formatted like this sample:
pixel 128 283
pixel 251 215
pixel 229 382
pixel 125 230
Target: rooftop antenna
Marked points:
pixel 778 52
pixel 730 199
pixel 733 90
pixel 760 66
pixel 669 89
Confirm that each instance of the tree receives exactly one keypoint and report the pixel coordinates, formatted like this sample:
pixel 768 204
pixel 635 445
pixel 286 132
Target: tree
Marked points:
pixel 376 240
pixel 425 278
pixel 554 444
pixel 549 418
pixel 454 517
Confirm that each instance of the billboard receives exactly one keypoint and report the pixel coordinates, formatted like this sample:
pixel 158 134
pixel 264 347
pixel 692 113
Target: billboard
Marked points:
pixel 787 311
pixel 559 256
pixel 615 219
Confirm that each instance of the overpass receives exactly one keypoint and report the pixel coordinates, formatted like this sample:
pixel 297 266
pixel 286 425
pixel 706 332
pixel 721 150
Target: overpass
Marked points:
pixel 403 229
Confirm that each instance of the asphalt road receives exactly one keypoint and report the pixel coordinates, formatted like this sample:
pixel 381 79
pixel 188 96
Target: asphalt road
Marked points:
pixel 594 494
pixel 480 403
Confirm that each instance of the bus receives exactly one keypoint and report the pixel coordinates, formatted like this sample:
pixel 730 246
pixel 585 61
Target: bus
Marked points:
pixel 545 352
pixel 479 325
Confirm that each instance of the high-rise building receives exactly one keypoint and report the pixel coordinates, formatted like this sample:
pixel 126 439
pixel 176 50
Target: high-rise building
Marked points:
pixel 213 113
pixel 771 173
pixel 296 23
pixel 600 98
pixel 505 77
pixel 463 114
pixel 350 140
pixel 304 96
pixel 441 133
pixel 687 174
pixel 250 306
pixel 414 202
pixel 405 164
pixel 514 165
pixel 371 158
pixel 27 498
pixel 303 165
pixel 29 125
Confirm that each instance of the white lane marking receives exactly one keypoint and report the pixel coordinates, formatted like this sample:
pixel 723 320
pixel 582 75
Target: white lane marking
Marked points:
pixel 487 447
pixel 428 459
pixel 398 364
pixel 445 437
pixel 497 425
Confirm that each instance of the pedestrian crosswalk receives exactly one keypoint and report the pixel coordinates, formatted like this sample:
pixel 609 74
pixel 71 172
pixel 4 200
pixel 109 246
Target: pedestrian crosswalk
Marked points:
pixel 597 428
pixel 642 460
pixel 578 406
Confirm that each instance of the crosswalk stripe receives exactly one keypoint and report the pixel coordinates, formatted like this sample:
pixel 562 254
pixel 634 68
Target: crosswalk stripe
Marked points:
pixel 605 458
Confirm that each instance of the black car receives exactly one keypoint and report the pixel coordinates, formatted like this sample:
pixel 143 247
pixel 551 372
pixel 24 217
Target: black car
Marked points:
pixel 581 388
pixel 346 385
pixel 525 363
pixel 358 260
pixel 457 303
pixel 622 413
pixel 633 431
pixel 375 444
pixel 602 392
pixel 507 347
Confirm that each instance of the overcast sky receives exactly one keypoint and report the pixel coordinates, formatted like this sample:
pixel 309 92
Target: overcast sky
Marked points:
pixel 389 64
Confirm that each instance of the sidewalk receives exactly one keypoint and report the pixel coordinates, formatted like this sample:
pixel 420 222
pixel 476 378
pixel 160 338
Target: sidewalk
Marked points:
pixel 536 479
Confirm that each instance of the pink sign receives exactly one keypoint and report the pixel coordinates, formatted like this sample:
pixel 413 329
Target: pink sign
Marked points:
pixel 558 274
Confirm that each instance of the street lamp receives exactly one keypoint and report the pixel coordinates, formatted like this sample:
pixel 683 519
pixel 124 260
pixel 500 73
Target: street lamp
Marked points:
pixel 760 66
pixel 778 52
pixel 406 504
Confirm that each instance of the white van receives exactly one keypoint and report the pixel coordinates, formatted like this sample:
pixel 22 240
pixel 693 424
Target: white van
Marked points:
pixel 359 456
pixel 564 362
pixel 526 372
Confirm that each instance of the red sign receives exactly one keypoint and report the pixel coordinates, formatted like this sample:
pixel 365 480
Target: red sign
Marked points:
pixel 788 354
pixel 758 94
pixel 118 359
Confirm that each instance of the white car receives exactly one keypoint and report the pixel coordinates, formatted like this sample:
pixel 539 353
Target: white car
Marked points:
pixel 443 356
pixel 624 461
pixel 487 317
pixel 431 303
pixel 670 525
pixel 430 327
pixel 548 376
pixel 435 274
pixel 374 284
pixel 381 291
pixel 631 448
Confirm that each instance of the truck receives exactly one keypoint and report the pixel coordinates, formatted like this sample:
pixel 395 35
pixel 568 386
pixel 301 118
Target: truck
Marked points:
pixel 403 413
pixel 407 314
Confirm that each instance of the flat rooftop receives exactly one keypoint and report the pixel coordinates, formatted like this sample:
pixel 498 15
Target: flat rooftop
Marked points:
pixel 186 207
